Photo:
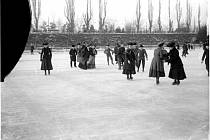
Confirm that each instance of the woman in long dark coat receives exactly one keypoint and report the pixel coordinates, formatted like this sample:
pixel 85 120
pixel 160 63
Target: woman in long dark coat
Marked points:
pixel 176 70
pixel 84 54
pixel 129 64
pixel 45 58
pixel 157 64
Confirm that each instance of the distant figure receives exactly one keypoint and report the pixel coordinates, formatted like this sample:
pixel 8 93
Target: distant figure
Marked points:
pixel 73 54
pixel 129 64
pixel 176 70
pixel 121 56
pixel 141 55
pixel 108 51
pixel 32 48
pixel 184 50
pixel 91 60
pixel 157 65
pixel 45 58
pixel 206 57
pixel 116 49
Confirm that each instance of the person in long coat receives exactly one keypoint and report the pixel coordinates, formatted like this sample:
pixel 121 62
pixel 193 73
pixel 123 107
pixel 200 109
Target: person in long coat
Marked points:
pixel 129 64
pixel 91 61
pixel 206 57
pixel 157 64
pixel 121 56
pixel 84 56
pixel 73 54
pixel 45 58
pixel 176 70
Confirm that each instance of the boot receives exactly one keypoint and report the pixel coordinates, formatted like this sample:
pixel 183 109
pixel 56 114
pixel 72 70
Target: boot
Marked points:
pixel 178 82
pixel 175 82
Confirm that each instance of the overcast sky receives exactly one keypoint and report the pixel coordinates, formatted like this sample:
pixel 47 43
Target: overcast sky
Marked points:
pixel 121 11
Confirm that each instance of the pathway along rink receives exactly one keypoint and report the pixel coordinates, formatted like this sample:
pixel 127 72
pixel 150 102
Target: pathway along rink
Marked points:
pixel 101 104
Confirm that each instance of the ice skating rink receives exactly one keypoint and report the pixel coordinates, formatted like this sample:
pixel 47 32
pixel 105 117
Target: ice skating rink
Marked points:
pixel 101 104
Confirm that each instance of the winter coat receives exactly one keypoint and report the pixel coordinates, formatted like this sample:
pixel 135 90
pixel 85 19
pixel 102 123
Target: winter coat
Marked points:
pixel 157 65
pixel 129 63
pixel 46 56
pixel 176 70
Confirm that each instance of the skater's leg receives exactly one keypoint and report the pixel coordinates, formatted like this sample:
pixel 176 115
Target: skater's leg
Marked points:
pixel 131 76
pixel 128 76
pixel 45 72
pixel 143 64
pixel 157 80
pixel 75 64
pixel 48 72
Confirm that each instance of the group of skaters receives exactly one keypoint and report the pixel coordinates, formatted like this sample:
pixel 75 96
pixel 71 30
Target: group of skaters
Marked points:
pixel 127 57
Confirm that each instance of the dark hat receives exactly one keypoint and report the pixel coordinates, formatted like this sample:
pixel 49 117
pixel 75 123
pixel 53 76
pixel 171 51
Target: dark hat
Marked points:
pixel 160 44
pixel 73 45
pixel 141 45
pixel 45 43
pixel 171 44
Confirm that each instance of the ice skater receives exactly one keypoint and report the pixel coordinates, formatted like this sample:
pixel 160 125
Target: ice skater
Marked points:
pixel 108 51
pixel 73 54
pixel 176 70
pixel 45 58
pixel 157 64
pixel 129 64
pixel 141 55
pixel 91 60
pixel 206 56
pixel 121 56
pixel 32 48
pixel 184 50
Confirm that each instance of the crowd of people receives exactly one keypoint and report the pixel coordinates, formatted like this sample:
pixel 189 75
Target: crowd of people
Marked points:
pixel 129 57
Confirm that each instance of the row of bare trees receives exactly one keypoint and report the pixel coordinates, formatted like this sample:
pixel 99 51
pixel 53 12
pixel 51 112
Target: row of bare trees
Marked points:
pixel 69 13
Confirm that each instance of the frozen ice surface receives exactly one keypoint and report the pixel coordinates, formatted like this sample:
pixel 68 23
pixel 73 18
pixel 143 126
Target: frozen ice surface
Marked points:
pixel 101 104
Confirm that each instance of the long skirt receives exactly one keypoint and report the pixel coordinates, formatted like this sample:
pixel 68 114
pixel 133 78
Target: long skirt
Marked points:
pixel 46 64
pixel 177 73
pixel 129 68
pixel 91 62
pixel 156 68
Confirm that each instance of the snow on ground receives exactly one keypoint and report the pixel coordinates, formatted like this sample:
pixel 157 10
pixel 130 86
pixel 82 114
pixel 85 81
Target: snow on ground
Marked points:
pixel 101 104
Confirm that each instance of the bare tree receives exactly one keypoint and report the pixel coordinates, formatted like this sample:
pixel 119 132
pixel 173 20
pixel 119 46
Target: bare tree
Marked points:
pixel 138 15
pixel 159 19
pixel 69 13
pixel 178 13
pixel 199 15
pixel 150 14
pixel 36 4
pixel 88 15
pixel 102 14
pixel 189 15
pixel 169 15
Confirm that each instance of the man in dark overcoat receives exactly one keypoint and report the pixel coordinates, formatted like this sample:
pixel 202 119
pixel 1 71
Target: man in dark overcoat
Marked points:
pixel 73 54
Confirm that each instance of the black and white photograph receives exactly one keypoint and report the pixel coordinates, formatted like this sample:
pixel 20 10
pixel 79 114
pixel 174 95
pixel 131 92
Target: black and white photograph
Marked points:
pixel 105 70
